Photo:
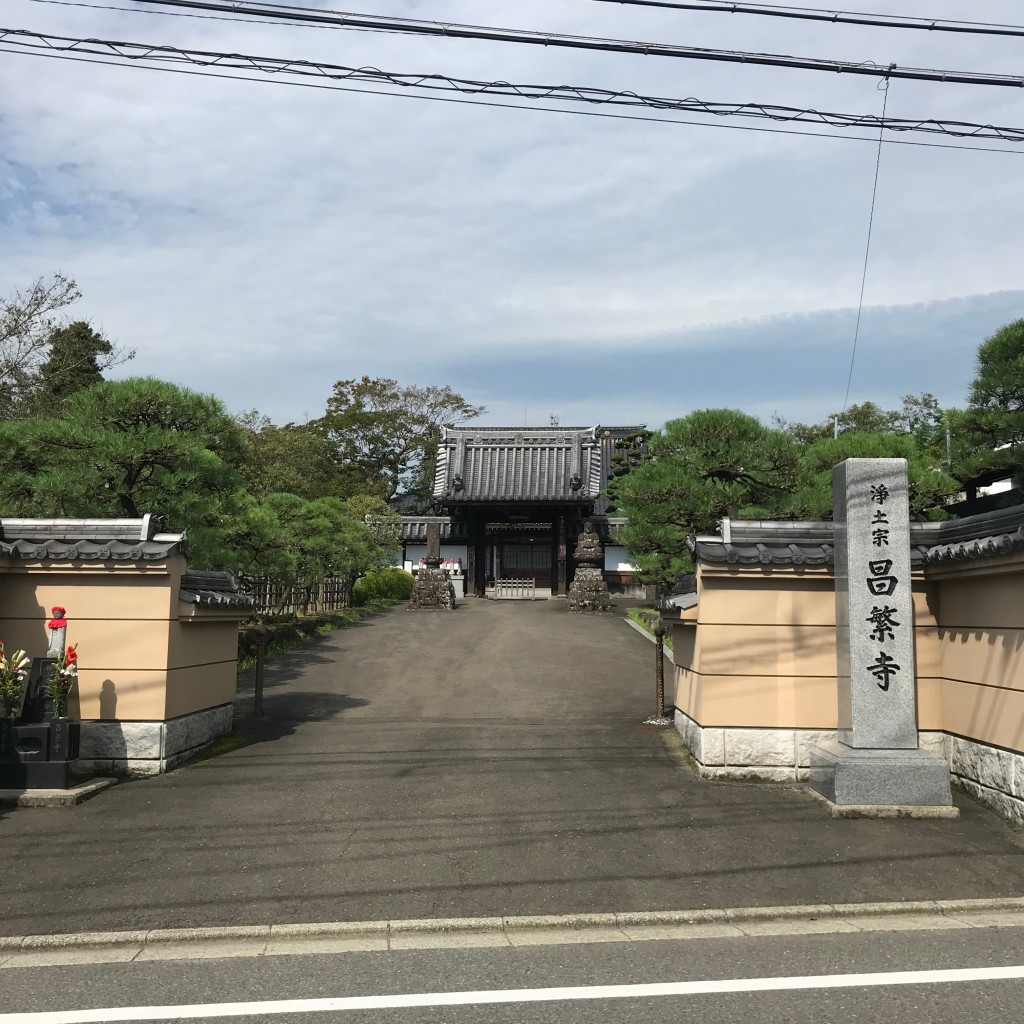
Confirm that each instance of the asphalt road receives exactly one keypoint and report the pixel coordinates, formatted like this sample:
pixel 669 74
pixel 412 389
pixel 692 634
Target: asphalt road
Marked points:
pixel 519 972
pixel 483 763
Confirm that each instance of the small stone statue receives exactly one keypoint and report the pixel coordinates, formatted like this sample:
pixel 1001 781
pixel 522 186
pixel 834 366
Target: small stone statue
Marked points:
pixel 58 627
pixel 588 547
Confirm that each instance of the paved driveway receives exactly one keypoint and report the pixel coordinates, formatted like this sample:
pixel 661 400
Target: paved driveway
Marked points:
pixel 485 762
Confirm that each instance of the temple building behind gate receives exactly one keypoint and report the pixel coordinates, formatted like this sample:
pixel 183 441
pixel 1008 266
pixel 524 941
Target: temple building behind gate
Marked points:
pixel 513 499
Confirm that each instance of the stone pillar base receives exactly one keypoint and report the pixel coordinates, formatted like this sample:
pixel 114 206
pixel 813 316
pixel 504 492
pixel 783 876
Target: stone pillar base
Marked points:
pixel 882 778
pixel 589 592
pixel 432 589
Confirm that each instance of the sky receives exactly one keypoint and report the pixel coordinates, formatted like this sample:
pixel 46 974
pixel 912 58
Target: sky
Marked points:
pixel 260 241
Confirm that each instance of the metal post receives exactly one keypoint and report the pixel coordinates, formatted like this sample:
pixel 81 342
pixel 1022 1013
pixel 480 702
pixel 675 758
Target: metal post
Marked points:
pixel 659 654
pixel 261 653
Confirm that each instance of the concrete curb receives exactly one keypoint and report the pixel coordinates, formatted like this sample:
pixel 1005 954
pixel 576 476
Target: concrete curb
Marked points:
pixel 669 656
pixel 258 936
pixel 54 797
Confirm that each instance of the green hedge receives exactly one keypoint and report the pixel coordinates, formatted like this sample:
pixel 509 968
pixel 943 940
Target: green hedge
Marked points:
pixel 391 584
pixel 647 619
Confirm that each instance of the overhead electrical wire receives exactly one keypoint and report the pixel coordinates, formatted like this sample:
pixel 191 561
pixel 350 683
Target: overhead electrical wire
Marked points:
pixel 768 10
pixel 532 107
pixel 833 17
pixel 187 14
pixel 156 54
pixel 867 255
pixel 454 30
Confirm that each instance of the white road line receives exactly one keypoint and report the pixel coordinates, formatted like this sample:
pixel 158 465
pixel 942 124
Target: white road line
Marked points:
pixel 202 1011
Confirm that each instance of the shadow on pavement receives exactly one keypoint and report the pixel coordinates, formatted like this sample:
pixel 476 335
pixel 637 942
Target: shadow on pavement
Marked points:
pixel 283 714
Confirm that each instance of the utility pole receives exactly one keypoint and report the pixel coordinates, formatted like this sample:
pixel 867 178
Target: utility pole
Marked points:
pixel 659 671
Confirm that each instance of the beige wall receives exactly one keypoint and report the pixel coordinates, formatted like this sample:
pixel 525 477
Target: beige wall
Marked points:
pixel 202 662
pixel 980 636
pixel 144 655
pixel 759 652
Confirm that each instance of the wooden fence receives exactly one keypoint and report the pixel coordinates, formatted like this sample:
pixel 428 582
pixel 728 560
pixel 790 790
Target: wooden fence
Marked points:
pixel 507 588
pixel 276 598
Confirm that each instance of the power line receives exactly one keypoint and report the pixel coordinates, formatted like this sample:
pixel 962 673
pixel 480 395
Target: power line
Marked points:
pixel 526 36
pixel 186 14
pixel 121 50
pixel 867 253
pixel 834 17
pixel 770 10
pixel 136 65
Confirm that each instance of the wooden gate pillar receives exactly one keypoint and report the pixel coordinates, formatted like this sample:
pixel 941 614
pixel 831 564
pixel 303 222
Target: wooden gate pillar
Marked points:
pixel 478 557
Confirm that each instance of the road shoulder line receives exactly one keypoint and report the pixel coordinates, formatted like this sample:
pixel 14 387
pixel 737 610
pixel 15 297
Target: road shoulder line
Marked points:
pixel 479 932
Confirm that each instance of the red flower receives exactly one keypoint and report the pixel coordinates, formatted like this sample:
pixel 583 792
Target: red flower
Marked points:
pixel 70 655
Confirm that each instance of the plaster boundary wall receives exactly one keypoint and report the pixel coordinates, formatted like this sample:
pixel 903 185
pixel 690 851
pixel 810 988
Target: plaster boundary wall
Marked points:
pixel 755 679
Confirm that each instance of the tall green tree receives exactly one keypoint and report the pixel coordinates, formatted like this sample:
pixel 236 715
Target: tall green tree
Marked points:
pixel 919 415
pixel 989 436
pixel 866 417
pixel 43 359
pixel 930 488
pixel 925 420
pixel 76 358
pixel 27 319
pixel 384 524
pixel 299 543
pixel 290 459
pixel 325 538
pixel 386 435
pixel 123 448
pixel 709 464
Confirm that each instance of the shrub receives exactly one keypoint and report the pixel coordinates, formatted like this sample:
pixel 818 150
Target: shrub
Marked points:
pixel 390 584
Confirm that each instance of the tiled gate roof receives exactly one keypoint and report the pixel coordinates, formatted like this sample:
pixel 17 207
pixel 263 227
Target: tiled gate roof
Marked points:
pixel 528 464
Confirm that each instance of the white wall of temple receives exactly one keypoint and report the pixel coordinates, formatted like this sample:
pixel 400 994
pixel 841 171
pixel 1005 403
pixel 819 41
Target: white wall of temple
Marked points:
pixel 414 552
pixel 616 559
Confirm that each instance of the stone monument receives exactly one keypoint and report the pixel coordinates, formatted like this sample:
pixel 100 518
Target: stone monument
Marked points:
pixel 432 588
pixel 589 592
pixel 875 764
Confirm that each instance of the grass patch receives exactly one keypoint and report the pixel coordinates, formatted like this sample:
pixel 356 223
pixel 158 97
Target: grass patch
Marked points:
pixel 646 618
pixel 223 746
pixel 680 752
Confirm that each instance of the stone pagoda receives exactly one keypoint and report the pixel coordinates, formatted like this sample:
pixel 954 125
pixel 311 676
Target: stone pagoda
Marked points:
pixel 589 592
pixel 433 588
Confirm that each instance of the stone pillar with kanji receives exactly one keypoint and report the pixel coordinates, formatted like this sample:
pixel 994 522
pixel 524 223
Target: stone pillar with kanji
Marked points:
pixel 875 762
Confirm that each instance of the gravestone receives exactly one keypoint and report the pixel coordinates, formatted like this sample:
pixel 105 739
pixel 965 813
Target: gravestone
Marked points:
pixel 432 588
pixel 875 760
pixel 589 592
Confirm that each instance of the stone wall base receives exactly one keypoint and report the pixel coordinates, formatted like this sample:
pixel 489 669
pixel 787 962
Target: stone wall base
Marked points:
pixel 990 774
pixel 136 749
pixel 771 755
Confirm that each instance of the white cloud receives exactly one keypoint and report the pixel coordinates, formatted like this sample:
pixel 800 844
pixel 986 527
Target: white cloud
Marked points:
pixel 213 224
